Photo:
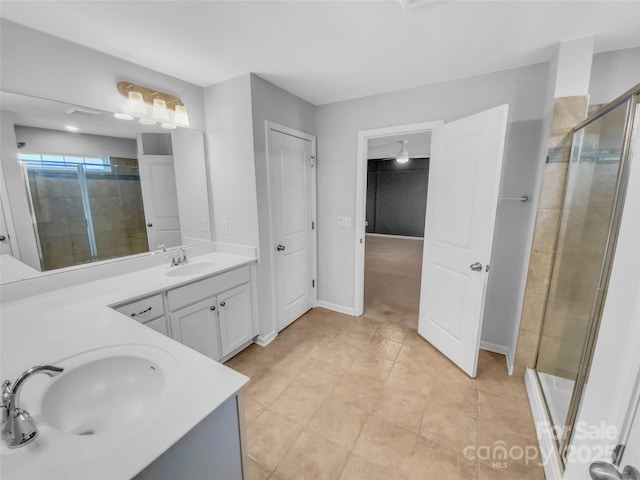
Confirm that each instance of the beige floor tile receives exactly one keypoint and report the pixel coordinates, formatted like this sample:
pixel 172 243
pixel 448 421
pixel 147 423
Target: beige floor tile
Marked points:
pixel 402 407
pixel 270 437
pixel 448 426
pixel 244 365
pixel 506 413
pixel 256 471
pixel 347 364
pixel 381 347
pixel 357 468
pixel 339 422
pixel 360 391
pixel 312 458
pixel 410 377
pixel 523 452
pixel 266 386
pixel 299 402
pixel 320 374
pixel 252 409
pixel 383 443
pixel 397 333
pixel 432 461
pixel 372 366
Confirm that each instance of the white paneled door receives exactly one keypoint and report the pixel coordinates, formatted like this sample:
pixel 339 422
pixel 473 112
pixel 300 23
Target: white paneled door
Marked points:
pixel 291 160
pixel 160 200
pixel 464 179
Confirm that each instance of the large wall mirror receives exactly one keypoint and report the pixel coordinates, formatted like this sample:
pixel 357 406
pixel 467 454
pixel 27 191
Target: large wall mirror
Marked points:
pixel 81 186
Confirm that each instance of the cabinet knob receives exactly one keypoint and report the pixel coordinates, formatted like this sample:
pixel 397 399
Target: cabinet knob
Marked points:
pixel 212 308
pixel 222 304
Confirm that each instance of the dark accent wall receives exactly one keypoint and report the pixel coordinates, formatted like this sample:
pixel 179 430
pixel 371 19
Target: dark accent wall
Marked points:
pixel 397 196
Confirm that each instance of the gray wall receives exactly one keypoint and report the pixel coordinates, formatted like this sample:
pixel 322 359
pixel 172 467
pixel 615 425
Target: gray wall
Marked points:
pixel 337 127
pixel 397 197
pixel 272 103
pixel 613 73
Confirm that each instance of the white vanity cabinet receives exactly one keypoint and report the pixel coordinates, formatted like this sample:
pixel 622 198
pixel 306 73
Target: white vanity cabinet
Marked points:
pixel 148 311
pixel 196 327
pixel 214 316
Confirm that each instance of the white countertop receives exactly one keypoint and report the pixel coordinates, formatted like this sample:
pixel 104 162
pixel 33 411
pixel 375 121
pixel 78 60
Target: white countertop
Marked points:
pixel 48 328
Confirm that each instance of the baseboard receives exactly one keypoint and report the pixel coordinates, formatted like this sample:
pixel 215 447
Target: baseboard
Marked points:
pixel 264 340
pixel 386 235
pixel 550 457
pixel 336 308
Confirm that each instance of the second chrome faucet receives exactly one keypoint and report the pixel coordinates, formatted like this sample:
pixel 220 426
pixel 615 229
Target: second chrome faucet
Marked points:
pixel 179 258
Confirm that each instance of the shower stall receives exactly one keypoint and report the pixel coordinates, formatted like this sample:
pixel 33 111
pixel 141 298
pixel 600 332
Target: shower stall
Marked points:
pixel 84 212
pixel 593 201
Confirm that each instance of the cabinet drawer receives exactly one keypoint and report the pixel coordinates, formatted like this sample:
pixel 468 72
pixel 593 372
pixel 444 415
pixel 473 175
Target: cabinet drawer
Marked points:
pixel 143 310
pixel 196 291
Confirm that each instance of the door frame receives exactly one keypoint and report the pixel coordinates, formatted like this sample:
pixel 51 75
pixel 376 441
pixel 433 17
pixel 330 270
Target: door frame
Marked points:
pixel 269 125
pixel 361 198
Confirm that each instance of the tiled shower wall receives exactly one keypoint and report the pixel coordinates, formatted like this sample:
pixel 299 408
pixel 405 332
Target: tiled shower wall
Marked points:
pixel 567 113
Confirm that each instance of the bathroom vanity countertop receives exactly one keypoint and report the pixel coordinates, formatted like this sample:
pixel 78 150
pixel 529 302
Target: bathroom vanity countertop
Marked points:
pixel 54 326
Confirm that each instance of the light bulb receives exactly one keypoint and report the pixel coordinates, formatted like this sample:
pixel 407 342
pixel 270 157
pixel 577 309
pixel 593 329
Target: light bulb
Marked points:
pixel 136 104
pixel 146 121
pixel 169 126
pixel 160 112
pixel 181 118
pixel 402 159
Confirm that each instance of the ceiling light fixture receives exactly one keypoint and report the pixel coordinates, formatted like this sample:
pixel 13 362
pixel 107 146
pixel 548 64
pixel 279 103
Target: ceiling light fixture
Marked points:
pixel 151 106
pixel 403 155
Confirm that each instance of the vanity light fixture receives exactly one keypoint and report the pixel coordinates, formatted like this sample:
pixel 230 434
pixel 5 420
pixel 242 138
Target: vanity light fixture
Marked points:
pixel 151 107
pixel 71 128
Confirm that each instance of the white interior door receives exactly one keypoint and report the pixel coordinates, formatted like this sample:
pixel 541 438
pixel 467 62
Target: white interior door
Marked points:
pixel 5 246
pixel 464 178
pixel 160 200
pixel 291 185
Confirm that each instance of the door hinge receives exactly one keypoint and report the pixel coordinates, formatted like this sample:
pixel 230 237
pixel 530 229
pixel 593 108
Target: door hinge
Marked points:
pixel 313 225
pixel 313 160
pixel 313 284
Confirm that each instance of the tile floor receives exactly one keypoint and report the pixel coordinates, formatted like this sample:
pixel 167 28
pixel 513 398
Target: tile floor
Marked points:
pixel 339 397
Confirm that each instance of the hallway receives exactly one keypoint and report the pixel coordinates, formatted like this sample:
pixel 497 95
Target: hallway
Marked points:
pixel 393 267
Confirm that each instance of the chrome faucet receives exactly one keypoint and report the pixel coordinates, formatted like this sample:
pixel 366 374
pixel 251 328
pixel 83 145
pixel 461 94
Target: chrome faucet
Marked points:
pixel 179 259
pixel 18 428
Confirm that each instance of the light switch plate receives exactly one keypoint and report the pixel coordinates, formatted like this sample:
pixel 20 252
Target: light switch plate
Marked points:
pixel 344 221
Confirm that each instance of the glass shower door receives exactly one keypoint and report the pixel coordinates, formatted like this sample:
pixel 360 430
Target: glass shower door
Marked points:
pixel 576 285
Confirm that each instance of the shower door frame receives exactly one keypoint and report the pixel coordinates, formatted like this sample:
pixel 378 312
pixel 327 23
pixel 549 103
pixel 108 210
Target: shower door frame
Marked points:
pixel 632 97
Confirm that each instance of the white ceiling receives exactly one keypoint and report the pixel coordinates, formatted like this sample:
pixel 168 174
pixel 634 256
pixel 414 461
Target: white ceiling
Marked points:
pixel 327 51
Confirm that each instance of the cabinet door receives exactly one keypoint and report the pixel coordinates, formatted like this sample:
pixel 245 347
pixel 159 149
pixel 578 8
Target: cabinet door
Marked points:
pixel 196 327
pixel 236 325
pixel 159 325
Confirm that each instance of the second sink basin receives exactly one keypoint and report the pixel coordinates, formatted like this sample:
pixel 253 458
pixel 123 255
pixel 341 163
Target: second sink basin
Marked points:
pixel 190 269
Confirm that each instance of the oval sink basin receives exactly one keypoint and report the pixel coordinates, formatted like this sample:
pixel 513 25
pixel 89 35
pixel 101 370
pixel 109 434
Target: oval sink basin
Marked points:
pixel 102 395
pixel 190 269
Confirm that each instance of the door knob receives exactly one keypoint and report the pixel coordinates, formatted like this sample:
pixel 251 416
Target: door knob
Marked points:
pixel 608 471
pixel 280 247
pixel 2 238
pixel 476 267
pixel 222 304
pixel 212 308
pixel 149 224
